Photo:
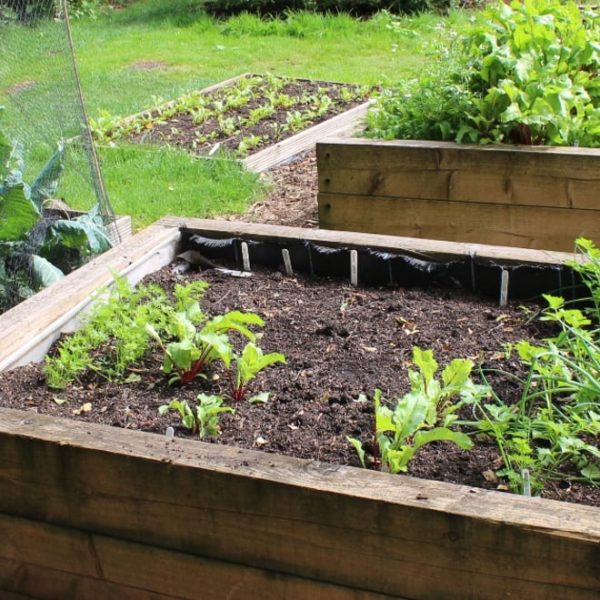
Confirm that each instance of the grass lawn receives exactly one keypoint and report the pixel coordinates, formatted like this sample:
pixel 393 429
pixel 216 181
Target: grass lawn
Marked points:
pixel 158 49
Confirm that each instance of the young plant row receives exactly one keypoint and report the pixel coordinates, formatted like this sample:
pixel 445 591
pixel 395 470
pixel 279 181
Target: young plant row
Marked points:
pixel 123 328
pixel 232 112
pixel 551 433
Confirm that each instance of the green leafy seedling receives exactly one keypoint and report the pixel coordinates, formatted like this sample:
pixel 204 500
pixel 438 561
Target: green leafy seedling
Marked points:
pixel 205 422
pixel 248 365
pixel 423 415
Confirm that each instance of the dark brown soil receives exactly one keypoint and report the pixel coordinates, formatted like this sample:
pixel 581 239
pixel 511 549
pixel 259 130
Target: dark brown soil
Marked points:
pixel 340 342
pixel 181 131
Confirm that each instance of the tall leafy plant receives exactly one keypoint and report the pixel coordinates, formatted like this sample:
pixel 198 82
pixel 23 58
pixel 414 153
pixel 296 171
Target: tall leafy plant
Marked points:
pixel 35 251
pixel 528 75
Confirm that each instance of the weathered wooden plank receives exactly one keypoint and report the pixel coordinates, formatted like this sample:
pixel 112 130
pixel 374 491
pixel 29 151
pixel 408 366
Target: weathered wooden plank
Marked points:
pixel 305 140
pixel 366 154
pixel 425 248
pixel 41 583
pixel 522 226
pixel 372 531
pixel 55 303
pixel 6 595
pixel 49 561
pixel 461 186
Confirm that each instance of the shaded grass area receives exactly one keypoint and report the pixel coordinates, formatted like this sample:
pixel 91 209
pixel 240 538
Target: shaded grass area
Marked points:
pixel 151 50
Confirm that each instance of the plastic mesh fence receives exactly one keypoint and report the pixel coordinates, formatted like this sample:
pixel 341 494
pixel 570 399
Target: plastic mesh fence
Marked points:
pixel 51 177
pixel 40 90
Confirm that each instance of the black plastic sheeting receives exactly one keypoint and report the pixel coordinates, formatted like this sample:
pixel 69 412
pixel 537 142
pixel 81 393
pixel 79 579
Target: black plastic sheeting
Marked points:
pixel 381 268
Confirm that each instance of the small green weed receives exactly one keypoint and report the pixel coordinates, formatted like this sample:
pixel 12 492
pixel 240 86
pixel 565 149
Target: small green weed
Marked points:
pixel 205 421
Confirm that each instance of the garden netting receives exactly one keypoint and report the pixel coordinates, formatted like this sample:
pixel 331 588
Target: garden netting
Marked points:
pixel 46 153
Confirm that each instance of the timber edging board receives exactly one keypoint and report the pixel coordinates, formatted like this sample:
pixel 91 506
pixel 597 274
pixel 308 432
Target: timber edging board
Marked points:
pixel 369 533
pixel 117 505
pixel 29 329
pixel 523 196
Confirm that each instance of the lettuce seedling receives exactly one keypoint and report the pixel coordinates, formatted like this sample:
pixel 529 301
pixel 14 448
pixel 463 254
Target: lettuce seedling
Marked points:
pixel 248 365
pixel 205 422
pixel 423 415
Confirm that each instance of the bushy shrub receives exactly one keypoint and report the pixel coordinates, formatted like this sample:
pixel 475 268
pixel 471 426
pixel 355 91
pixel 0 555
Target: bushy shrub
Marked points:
pixel 529 75
pixel 274 8
pixel 30 11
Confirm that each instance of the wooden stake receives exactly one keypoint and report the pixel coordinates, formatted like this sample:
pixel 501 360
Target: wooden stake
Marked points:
pixel 354 267
pixel 504 288
pixel 245 256
pixel 287 262
pixel 526 483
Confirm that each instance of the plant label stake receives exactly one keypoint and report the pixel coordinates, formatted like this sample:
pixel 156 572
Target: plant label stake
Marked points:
pixel 354 267
pixel 472 254
pixel 287 262
pixel 526 483
pixel 504 288
pixel 170 433
pixel 245 256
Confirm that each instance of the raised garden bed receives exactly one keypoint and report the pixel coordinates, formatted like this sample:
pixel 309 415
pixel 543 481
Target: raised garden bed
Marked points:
pixel 92 508
pixel 263 120
pixel 529 197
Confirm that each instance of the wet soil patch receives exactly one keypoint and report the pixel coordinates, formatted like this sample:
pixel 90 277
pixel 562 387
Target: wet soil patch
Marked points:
pixel 340 343
pixel 242 118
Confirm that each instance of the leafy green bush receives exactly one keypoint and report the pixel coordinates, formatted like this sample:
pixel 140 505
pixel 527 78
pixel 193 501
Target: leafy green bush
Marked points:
pixel 272 8
pixel 30 11
pixel 425 414
pixel 553 431
pixel 35 249
pixel 529 75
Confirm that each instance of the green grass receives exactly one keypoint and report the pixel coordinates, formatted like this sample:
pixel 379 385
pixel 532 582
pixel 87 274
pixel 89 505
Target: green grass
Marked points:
pixel 173 183
pixel 193 50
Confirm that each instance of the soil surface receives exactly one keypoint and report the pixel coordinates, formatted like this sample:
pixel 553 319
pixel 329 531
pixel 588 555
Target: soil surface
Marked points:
pixel 232 127
pixel 292 199
pixel 340 343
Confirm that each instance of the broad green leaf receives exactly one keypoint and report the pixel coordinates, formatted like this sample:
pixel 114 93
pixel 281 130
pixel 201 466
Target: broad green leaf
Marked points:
pixel 84 236
pixel 383 415
pixel 441 434
pixel 591 472
pixel 181 355
pixel 18 214
pixel 359 449
pixel 409 415
pixel 219 345
pixel 457 372
pixel 252 361
pixel 46 183
pixel 512 113
pixel 44 272
pixel 426 363
pixel 261 398
pixel 397 460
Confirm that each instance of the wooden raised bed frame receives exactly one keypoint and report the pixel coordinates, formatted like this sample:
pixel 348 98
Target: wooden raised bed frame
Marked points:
pixel 524 196
pixel 90 511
